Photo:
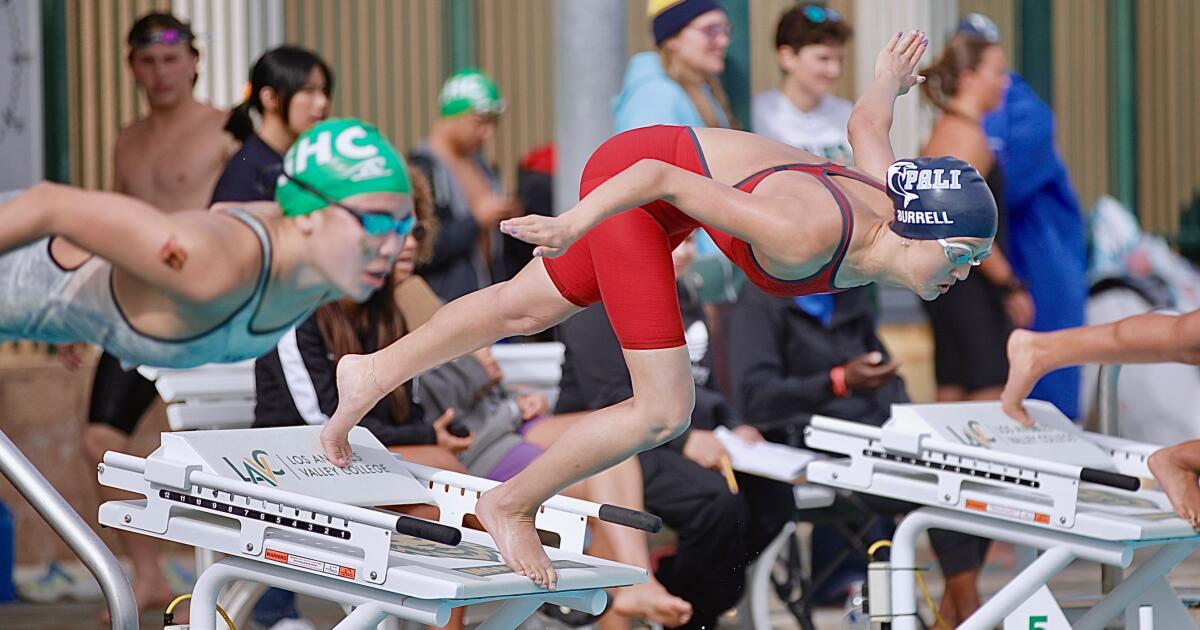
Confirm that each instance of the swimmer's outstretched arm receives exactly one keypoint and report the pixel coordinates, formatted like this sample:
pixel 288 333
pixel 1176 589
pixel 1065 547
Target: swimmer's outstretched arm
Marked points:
pixel 757 219
pixel 1149 338
pixel 129 233
pixel 871 121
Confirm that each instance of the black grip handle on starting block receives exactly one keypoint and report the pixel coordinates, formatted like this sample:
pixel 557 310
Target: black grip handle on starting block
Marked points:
pixel 630 518
pixel 429 530
pixel 1110 479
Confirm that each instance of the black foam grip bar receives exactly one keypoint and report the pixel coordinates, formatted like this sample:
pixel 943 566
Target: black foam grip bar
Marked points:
pixel 1111 479
pixel 630 518
pixel 429 530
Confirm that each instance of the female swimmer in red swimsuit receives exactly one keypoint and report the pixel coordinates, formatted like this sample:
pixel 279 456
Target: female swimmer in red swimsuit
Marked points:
pixel 794 224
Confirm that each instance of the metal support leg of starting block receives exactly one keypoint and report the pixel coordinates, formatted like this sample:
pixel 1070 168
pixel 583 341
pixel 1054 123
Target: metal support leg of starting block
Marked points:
pixel 367 616
pixel 754 610
pixel 209 584
pixel 1063 548
pixel 1036 575
pixel 514 611
pixel 1139 581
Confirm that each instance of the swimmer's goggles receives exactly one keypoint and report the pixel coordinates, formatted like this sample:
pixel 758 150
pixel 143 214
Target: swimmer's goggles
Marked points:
pixel 962 254
pixel 374 222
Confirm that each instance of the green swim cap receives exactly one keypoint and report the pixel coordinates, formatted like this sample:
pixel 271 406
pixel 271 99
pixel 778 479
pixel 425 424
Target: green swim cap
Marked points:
pixel 470 90
pixel 340 158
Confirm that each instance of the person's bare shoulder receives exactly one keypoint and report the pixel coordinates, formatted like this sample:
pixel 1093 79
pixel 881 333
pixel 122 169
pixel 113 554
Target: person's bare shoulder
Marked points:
pixel 214 121
pixel 962 138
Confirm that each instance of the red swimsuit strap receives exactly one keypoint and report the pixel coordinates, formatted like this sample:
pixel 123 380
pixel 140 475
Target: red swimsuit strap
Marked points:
pixel 822 172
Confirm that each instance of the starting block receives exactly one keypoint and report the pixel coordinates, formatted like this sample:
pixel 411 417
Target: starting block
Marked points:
pixel 285 517
pixel 1069 493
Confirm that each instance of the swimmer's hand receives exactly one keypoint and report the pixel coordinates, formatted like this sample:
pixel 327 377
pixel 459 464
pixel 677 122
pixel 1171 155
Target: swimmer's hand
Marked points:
pixel 899 59
pixel 551 235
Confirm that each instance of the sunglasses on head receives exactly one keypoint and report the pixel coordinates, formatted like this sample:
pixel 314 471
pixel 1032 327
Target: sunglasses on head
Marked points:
pixel 818 14
pixel 962 254
pixel 374 222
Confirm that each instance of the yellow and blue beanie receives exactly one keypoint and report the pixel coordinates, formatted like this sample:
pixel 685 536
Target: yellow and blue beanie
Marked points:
pixel 668 17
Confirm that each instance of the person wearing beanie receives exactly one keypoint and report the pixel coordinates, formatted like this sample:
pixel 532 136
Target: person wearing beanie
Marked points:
pixel 678 83
pixel 469 199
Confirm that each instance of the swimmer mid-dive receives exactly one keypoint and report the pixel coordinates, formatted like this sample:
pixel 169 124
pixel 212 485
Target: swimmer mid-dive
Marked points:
pixel 197 287
pixel 777 212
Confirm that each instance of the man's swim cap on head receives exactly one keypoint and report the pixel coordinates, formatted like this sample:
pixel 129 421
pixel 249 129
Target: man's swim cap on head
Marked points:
pixel 340 158
pixel 470 90
pixel 940 197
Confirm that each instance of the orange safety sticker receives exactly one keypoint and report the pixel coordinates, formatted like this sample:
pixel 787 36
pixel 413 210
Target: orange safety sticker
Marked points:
pixel 1004 510
pixel 328 568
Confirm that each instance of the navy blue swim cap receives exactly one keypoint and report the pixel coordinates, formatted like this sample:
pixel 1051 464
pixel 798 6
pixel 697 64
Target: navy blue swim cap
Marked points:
pixel 940 197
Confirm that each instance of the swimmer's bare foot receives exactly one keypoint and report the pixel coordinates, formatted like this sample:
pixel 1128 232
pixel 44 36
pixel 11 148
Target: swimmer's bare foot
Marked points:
pixel 1023 373
pixel 358 391
pixel 512 530
pixel 1181 484
pixel 651 602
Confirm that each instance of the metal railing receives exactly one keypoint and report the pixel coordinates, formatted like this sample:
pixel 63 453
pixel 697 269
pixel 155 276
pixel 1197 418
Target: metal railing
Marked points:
pixel 74 531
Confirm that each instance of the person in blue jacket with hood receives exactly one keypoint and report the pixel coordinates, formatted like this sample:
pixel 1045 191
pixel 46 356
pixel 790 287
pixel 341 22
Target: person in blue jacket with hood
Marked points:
pixel 1047 238
pixel 680 82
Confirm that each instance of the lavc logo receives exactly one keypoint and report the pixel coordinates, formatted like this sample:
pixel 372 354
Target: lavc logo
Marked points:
pixel 257 468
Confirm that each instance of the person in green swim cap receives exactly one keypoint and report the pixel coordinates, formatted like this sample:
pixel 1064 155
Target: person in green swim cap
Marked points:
pixel 202 286
pixel 451 158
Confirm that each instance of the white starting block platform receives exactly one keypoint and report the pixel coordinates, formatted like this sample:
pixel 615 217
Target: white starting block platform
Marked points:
pixel 285 517
pixel 1069 493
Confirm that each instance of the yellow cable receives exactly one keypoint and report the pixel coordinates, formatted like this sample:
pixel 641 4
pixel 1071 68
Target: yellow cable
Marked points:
pixel 876 546
pixel 880 544
pixel 186 596
pixel 941 623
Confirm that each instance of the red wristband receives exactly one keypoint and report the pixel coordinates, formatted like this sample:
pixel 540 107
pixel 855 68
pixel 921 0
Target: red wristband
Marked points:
pixel 837 381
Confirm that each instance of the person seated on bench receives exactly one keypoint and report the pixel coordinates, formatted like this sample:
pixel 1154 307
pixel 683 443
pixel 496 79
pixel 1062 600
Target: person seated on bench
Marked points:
pixel 791 358
pixel 1148 338
pixel 719 532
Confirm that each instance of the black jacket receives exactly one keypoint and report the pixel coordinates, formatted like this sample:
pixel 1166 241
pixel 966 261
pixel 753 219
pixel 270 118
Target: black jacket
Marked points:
pixel 296 384
pixel 451 272
pixel 780 357
pixel 594 373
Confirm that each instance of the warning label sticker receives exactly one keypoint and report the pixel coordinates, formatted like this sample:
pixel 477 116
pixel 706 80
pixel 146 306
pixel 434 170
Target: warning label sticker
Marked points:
pixel 1008 511
pixel 327 568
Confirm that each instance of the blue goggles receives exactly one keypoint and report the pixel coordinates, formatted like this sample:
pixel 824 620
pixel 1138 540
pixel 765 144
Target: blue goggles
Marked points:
pixel 962 254
pixel 374 222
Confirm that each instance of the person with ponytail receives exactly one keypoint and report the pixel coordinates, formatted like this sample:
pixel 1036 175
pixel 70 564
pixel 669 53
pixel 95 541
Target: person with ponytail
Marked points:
pixel 972 321
pixel 290 90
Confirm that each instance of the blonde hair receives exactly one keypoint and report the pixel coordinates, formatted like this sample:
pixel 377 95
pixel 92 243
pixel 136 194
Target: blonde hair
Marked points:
pixel 692 83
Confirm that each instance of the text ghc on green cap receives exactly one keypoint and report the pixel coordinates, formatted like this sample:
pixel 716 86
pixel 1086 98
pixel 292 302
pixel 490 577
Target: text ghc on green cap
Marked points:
pixel 337 159
pixel 470 90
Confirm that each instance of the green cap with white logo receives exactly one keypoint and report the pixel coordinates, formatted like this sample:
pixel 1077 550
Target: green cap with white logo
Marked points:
pixel 470 90
pixel 339 158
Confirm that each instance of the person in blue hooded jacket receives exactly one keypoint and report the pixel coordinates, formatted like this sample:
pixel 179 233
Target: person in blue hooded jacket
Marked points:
pixel 680 82
pixel 1047 239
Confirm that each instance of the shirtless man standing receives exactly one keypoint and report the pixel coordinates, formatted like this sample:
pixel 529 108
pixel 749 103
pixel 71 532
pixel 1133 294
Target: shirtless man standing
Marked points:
pixel 171 159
